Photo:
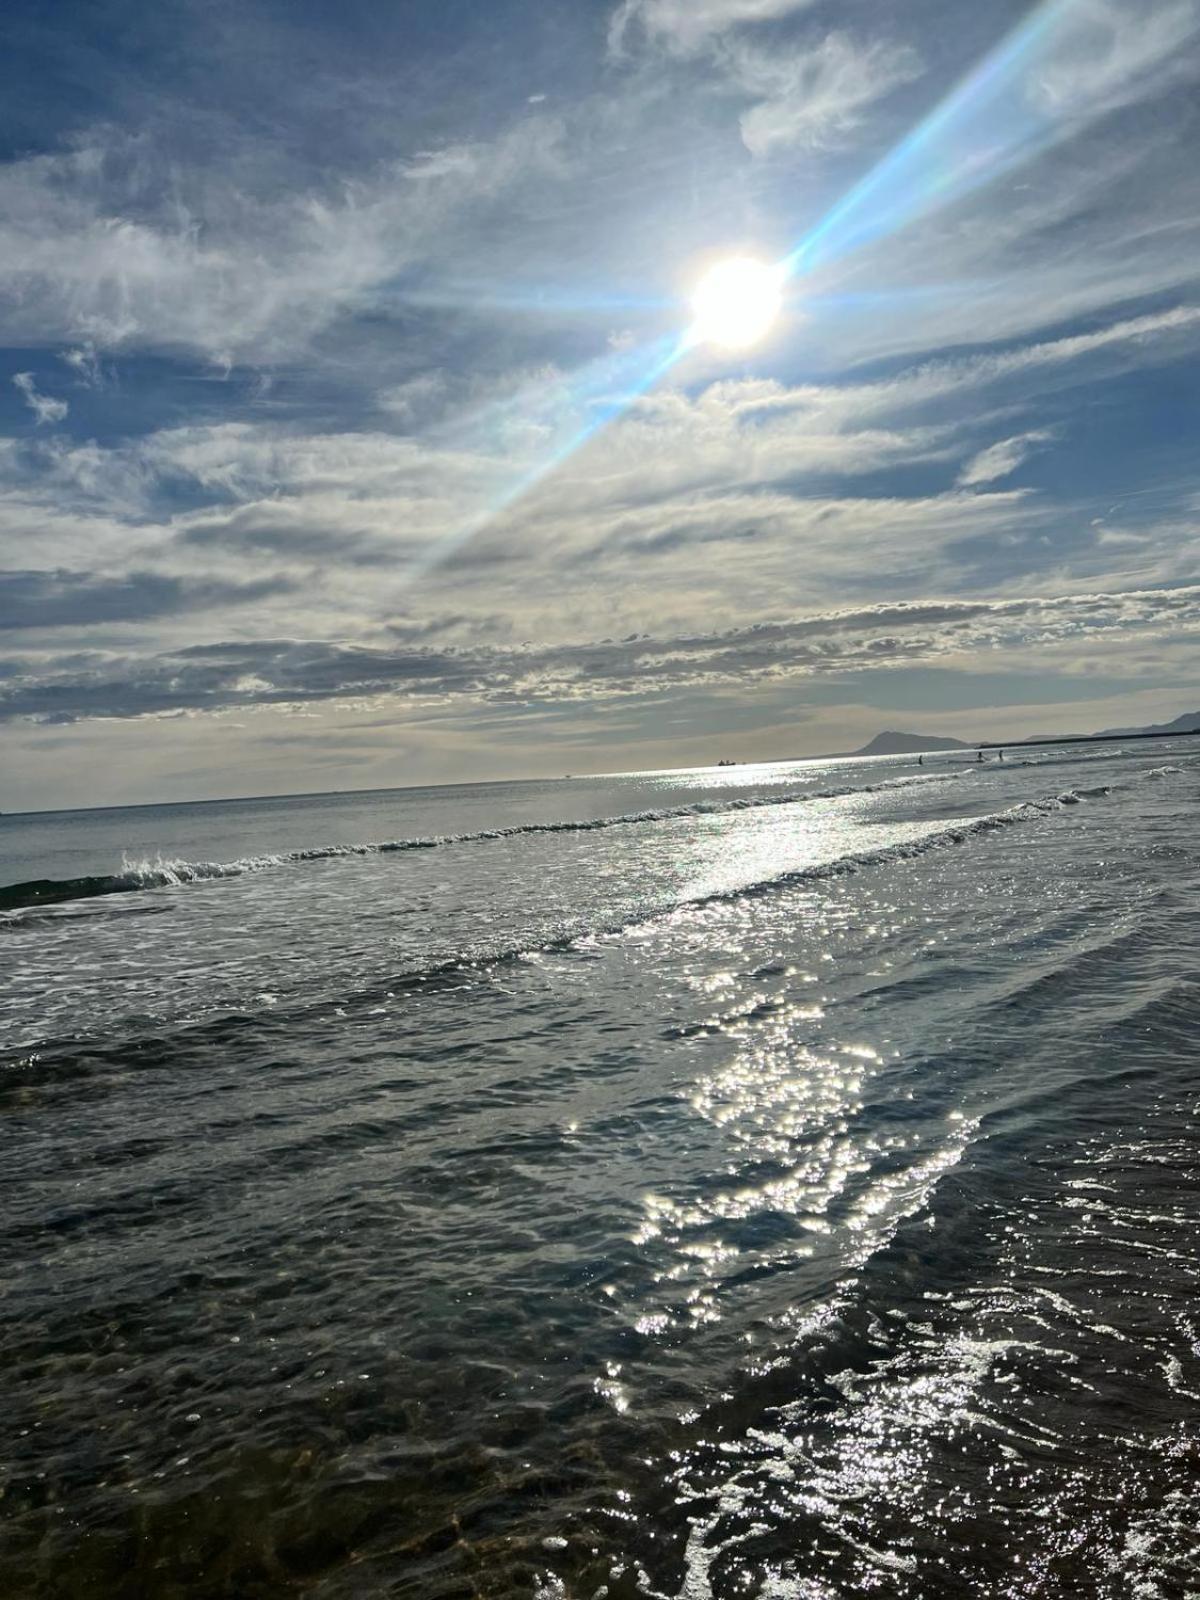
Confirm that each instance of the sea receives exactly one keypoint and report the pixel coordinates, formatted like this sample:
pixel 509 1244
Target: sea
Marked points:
pixel 771 1182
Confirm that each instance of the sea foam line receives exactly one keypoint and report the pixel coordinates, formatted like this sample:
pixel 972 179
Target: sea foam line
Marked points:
pixel 171 874
pixel 954 834
pixel 906 849
pixel 176 874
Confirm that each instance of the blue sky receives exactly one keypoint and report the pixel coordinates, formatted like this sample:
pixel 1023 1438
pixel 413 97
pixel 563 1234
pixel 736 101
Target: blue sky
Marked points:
pixel 345 437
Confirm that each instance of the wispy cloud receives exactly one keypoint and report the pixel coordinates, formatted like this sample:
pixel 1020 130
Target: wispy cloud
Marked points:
pixel 815 97
pixel 1129 340
pixel 1113 53
pixel 43 406
pixel 1003 458
pixel 749 471
pixel 685 26
pixel 114 245
pixel 84 361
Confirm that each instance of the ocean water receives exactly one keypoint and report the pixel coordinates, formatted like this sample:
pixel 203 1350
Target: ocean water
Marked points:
pixel 777 1181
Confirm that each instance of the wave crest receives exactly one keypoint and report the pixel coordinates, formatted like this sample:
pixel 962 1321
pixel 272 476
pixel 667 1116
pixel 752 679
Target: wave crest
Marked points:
pixel 172 874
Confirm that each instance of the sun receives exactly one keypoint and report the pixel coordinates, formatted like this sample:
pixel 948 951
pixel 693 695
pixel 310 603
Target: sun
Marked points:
pixel 736 302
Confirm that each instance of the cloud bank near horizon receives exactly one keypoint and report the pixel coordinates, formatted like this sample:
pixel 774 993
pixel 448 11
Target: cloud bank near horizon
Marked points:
pixel 295 672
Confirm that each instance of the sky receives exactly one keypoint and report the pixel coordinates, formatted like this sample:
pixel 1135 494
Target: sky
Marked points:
pixel 352 433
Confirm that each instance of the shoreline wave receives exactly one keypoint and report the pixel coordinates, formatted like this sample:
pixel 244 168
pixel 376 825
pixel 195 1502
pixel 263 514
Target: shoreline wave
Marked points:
pixel 173 874
pixel 453 965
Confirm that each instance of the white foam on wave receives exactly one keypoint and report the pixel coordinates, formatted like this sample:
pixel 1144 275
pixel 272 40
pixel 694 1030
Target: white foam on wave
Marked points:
pixel 163 873
pixel 166 873
pixel 906 849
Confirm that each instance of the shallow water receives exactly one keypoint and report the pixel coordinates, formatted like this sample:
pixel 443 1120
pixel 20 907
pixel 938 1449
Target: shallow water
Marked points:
pixel 785 1189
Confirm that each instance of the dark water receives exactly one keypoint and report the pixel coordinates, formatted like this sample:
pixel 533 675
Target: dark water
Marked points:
pixel 788 1190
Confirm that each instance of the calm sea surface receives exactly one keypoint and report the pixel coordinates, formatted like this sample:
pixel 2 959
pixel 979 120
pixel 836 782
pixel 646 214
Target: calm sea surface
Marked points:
pixel 777 1182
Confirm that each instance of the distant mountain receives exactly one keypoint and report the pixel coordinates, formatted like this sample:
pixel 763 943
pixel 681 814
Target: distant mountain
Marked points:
pixel 906 744
pixel 892 743
pixel 1188 723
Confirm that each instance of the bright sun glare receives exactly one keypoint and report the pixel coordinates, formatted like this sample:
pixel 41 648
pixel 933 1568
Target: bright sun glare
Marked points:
pixel 736 302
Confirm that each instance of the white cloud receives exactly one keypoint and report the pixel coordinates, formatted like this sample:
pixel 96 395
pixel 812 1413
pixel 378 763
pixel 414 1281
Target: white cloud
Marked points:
pixel 1161 334
pixel 817 96
pixel 44 408
pixel 1090 195
pixel 414 400
pixel 693 505
pixel 1108 52
pixel 84 361
pixel 114 246
pixel 283 671
pixel 687 26
pixel 1002 459
pixel 1058 352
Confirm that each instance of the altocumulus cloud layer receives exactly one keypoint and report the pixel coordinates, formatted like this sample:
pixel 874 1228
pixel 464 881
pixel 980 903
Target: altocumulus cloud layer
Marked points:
pixel 288 671
pixel 327 436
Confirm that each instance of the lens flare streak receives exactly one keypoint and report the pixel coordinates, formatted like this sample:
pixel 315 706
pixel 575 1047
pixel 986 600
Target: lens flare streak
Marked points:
pixel 570 415
pixel 985 127
pixel 999 117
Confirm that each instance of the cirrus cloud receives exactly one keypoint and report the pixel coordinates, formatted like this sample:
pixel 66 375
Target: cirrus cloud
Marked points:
pixel 685 26
pixel 43 406
pixel 815 97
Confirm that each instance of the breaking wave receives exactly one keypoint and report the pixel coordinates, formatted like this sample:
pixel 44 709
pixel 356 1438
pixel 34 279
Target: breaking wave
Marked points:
pixel 949 837
pixel 451 967
pixel 160 874
pixel 957 833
